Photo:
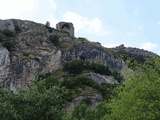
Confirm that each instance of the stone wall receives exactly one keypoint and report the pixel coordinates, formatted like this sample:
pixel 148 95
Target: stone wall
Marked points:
pixel 66 27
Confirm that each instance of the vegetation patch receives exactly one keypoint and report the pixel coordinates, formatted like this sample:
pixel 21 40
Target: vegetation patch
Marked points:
pixel 6 38
pixel 78 66
pixel 26 54
pixel 131 60
pixel 74 83
pixel 54 39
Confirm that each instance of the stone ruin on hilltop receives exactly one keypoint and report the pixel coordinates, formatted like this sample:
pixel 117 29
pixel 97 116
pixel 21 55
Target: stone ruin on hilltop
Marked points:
pixel 66 27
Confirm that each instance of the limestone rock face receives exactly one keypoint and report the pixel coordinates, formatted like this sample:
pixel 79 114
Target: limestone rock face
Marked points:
pixel 4 63
pixel 99 79
pixel 89 100
pixel 18 25
pixel 94 53
pixel 133 51
pixel 33 54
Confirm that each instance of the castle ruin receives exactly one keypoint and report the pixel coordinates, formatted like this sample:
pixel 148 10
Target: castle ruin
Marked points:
pixel 66 27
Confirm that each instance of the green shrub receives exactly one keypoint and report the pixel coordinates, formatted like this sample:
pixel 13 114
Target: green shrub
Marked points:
pixel 82 39
pixel 77 66
pixel 130 59
pixel 74 67
pixel 26 54
pixel 9 44
pixel 87 101
pixel 1 37
pixel 54 39
pixel 117 76
pixel 6 40
pixel 83 81
pixel 8 33
pixel 35 103
pixel 99 68
pixel 75 82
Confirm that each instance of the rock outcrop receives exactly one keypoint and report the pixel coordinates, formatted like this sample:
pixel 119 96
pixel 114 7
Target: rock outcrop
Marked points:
pixel 33 54
pixel 4 63
pixel 92 53
pixel 134 51
pixel 89 100
pixel 99 79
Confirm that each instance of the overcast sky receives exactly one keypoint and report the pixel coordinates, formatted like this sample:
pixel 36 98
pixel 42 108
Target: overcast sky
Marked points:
pixel 134 23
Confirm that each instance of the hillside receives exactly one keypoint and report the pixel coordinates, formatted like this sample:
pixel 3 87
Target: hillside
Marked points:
pixel 29 52
pixel 88 71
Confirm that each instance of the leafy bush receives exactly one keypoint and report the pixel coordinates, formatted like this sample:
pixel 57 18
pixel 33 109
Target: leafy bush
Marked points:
pixel 81 112
pixel 9 44
pixel 35 103
pixel 26 54
pixel 117 76
pixel 75 82
pixel 1 37
pixel 51 81
pixel 8 33
pixel 138 98
pixel 131 60
pixel 83 81
pixel 99 68
pixel 82 39
pixel 75 67
pixel 6 40
pixel 54 39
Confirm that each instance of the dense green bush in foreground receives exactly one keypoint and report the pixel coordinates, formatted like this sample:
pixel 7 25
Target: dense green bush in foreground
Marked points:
pixel 35 103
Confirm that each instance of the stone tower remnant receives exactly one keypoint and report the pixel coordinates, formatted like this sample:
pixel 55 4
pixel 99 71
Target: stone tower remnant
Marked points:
pixel 66 27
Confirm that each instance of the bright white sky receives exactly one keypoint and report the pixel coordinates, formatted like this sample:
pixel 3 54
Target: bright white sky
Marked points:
pixel 134 23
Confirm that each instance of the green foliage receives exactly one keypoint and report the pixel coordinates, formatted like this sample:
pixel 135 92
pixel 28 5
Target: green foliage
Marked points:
pixel 36 103
pixel 83 81
pixel 77 66
pixel 131 60
pixel 2 36
pixel 99 68
pixel 118 76
pixel 54 39
pixel 138 98
pixel 9 44
pixel 50 81
pixel 75 82
pixel 83 39
pixel 81 112
pixel 8 33
pixel 153 63
pixel 6 39
pixel 26 54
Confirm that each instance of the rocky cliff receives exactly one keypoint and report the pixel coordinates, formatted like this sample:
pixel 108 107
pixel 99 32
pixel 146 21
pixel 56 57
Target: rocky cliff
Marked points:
pixel 134 51
pixel 34 54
